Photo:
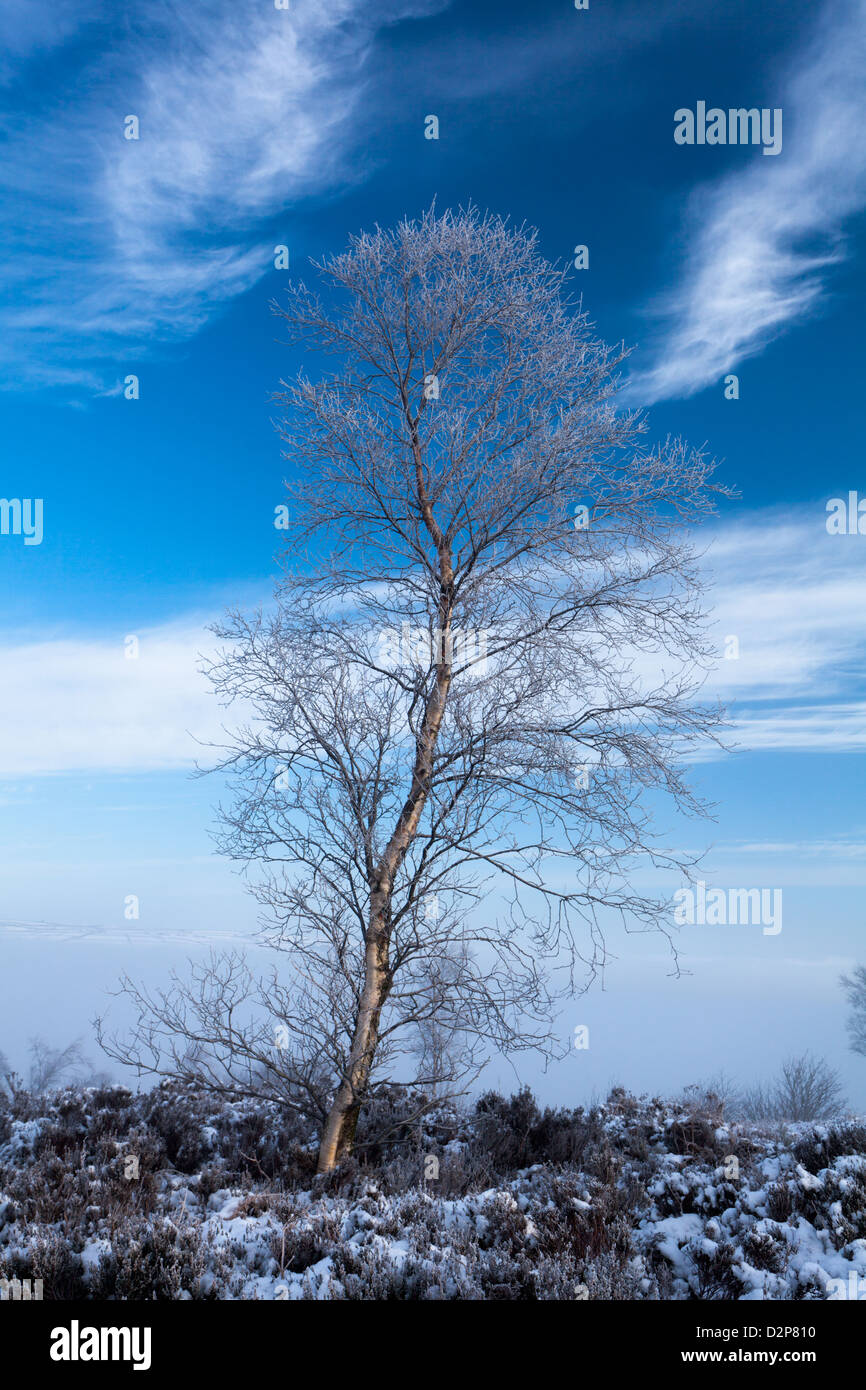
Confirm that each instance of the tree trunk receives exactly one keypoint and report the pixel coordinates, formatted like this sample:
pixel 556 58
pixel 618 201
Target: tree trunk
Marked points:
pixel 338 1134
pixel 339 1131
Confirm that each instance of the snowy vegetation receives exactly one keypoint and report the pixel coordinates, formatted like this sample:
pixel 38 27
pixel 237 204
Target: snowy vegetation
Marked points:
pixel 174 1195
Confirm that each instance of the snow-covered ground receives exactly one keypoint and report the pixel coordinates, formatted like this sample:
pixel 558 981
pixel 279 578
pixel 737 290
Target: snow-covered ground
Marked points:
pixel 176 1195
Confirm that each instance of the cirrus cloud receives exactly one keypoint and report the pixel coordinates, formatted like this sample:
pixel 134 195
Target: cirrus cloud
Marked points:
pixel 242 113
pixel 762 240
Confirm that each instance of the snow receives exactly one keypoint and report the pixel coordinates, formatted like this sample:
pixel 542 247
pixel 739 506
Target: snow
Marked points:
pixel 664 1224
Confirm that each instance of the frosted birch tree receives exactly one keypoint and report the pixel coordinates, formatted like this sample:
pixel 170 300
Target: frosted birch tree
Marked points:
pixel 480 675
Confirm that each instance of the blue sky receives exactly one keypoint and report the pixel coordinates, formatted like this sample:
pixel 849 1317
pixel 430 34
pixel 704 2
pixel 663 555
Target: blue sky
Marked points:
pixel 155 257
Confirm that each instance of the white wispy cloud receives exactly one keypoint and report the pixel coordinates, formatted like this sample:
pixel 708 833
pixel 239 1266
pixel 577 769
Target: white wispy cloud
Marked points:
pixel 820 849
pixel 829 728
pixel 80 704
pixel 794 597
pixel 243 111
pixel 762 240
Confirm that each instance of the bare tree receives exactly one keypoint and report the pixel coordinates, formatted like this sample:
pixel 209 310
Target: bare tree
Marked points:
pixel 442 1051
pixel 807 1088
pixel 855 990
pixel 51 1068
pixel 485 652
pixel 716 1096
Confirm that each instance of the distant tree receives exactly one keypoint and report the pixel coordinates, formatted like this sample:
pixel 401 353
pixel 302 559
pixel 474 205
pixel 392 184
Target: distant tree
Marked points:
pixel 485 655
pixel 757 1103
pixel 855 989
pixel 441 1048
pixel 807 1088
pixel 715 1096
pixel 51 1067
